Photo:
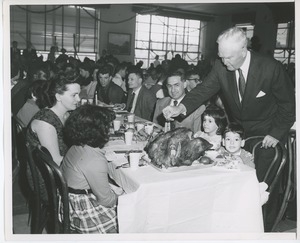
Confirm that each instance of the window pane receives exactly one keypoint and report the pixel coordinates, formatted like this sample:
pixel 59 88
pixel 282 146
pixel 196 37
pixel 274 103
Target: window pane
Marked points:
pixel 142 44
pixel 156 37
pixel 141 53
pixel 142 35
pixel 172 21
pixel 156 45
pixel 179 47
pixel 158 20
pixel 144 27
pixel 143 18
pixel 157 28
pixel 180 22
pixel 179 39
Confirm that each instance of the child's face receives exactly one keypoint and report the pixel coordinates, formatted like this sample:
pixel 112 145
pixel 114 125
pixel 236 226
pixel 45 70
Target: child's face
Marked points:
pixel 209 125
pixel 233 142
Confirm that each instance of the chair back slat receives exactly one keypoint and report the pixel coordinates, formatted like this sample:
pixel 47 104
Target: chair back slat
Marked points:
pixel 56 186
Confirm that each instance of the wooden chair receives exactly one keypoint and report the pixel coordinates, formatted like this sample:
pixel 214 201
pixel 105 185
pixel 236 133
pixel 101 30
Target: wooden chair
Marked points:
pixel 290 185
pixel 274 173
pixel 57 191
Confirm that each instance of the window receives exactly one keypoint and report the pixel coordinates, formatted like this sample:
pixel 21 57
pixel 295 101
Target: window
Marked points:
pixel 249 29
pixel 285 43
pixel 159 35
pixel 66 27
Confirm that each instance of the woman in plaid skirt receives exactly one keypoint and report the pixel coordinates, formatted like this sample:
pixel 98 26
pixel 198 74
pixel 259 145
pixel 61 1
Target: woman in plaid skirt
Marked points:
pixel 91 199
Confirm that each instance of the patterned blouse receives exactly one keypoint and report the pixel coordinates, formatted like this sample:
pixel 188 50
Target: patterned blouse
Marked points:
pixel 50 117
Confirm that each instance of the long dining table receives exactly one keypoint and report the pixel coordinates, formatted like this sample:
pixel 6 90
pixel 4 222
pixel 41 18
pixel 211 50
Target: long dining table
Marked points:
pixel 200 199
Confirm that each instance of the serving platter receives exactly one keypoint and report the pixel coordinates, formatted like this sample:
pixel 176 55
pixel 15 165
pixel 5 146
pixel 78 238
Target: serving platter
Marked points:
pixel 195 166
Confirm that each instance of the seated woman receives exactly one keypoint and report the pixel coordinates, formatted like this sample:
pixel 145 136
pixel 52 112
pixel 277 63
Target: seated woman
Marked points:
pixel 46 125
pixel 33 103
pixel 92 201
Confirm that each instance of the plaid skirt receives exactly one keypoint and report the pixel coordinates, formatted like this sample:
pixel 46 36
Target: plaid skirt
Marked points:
pixel 88 216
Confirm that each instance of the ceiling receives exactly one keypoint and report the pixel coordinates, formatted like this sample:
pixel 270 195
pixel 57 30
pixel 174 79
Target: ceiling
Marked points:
pixel 282 11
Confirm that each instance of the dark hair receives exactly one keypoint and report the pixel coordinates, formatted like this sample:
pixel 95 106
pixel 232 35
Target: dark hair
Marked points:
pixel 86 66
pixel 37 89
pixel 104 70
pixel 121 66
pixel 177 73
pixel 235 128
pixel 136 70
pixel 88 125
pixel 57 86
pixel 219 116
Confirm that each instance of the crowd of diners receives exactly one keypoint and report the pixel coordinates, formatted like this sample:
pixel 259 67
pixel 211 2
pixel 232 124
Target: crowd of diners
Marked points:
pixel 47 99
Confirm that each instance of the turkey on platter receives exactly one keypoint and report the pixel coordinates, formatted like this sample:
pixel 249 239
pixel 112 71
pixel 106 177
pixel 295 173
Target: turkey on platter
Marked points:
pixel 176 148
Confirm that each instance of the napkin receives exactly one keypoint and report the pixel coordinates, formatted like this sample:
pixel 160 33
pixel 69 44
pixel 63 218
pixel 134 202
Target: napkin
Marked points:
pixel 264 195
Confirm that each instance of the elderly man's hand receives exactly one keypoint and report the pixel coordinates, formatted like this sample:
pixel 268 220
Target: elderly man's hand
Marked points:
pixel 269 141
pixel 173 111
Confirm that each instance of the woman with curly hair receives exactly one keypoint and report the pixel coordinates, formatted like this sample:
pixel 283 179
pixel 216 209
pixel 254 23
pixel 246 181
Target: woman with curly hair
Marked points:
pixel 92 201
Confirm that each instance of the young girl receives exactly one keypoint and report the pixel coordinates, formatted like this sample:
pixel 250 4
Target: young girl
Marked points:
pixel 214 122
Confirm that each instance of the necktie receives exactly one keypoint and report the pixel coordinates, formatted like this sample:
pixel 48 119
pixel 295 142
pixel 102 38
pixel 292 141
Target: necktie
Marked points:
pixel 242 83
pixel 131 102
pixel 172 123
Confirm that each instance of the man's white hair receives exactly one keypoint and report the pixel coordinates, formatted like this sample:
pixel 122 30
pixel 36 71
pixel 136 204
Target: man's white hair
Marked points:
pixel 234 34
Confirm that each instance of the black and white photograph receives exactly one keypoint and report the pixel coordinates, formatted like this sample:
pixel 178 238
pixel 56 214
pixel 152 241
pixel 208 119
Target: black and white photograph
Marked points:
pixel 149 121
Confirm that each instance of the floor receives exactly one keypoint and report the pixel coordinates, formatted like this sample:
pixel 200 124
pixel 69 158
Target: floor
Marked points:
pixel 21 225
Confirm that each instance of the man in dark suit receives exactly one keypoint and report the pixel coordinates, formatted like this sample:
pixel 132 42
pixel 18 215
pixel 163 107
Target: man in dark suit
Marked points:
pixel 140 101
pixel 176 85
pixel 256 88
pixel 108 92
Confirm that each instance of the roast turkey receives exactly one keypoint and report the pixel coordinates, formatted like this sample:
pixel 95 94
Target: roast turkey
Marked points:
pixel 176 148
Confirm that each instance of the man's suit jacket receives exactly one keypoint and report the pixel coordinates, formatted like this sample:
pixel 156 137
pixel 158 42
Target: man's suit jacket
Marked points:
pixel 193 121
pixel 145 103
pixel 268 107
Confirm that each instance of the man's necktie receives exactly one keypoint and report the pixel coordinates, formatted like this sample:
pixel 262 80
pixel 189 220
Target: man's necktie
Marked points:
pixel 131 102
pixel 242 83
pixel 172 123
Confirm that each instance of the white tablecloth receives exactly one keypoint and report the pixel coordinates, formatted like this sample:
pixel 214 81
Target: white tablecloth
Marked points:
pixel 210 200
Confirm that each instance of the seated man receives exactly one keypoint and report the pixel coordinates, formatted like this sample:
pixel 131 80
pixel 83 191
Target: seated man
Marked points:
pixel 193 78
pixel 176 87
pixel 107 91
pixel 140 101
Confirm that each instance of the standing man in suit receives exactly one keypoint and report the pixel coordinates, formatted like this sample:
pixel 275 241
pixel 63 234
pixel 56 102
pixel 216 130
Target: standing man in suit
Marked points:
pixel 256 88
pixel 141 101
pixel 176 86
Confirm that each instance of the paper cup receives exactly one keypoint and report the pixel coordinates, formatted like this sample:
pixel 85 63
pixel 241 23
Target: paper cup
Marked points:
pixel 134 159
pixel 130 117
pixel 128 138
pixel 117 125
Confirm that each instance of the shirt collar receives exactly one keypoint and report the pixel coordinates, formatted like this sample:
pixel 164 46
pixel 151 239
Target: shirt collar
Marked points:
pixel 179 100
pixel 137 91
pixel 246 63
